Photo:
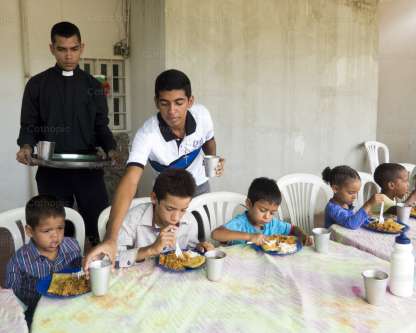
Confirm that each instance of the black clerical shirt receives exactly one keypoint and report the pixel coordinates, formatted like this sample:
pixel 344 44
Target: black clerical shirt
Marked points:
pixel 68 110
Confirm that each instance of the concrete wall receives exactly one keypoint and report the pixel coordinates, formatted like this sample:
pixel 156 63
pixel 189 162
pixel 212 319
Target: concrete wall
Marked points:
pixel 397 77
pixel 14 179
pixel 147 61
pixel 291 85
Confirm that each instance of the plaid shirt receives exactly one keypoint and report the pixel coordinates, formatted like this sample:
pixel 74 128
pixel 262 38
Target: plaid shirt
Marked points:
pixel 27 266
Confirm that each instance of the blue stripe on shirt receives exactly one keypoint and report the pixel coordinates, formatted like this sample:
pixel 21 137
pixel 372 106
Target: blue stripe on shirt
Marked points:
pixel 335 214
pixel 27 266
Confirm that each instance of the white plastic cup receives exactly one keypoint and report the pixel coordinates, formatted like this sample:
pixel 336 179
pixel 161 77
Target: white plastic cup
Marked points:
pixel 321 239
pixel 45 150
pixel 100 271
pixel 210 163
pixel 375 284
pixel 215 262
pixel 403 212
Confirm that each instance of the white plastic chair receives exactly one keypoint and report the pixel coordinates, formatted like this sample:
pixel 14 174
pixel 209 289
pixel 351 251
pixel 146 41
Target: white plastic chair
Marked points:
pixel 300 193
pixel 221 206
pixel 105 214
pixel 408 166
pixel 373 155
pixel 9 219
pixel 412 180
pixel 78 221
pixel 363 194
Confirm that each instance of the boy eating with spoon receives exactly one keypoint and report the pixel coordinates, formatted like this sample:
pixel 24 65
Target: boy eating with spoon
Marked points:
pixel 151 228
pixel 258 221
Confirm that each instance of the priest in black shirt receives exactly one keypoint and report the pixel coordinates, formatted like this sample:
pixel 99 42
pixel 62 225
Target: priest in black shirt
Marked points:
pixel 67 106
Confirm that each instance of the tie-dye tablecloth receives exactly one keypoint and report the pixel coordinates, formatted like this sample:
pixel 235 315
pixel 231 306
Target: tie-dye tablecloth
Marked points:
pixel 381 245
pixel 12 318
pixel 305 292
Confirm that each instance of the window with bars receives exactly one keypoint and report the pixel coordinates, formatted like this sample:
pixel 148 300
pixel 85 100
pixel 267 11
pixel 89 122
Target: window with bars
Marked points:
pixel 113 72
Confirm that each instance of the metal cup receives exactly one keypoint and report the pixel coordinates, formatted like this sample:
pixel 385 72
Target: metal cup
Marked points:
pixel 100 271
pixel 210 163
pixel 45 150
pixel 321 239
pixel 375 284
pixel 215 262
pixel 403 212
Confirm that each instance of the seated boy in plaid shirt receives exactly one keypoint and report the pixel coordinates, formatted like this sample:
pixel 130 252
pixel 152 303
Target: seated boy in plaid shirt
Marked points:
pixel 48 251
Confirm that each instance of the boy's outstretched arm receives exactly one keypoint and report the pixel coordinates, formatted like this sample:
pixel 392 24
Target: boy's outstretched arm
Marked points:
pixel 223 234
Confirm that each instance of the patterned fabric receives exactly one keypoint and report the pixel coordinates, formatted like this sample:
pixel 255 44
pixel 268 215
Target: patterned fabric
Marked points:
pixel 241 223
pixel 378 244
pixel 335 214
pixel 11 313
pixel 27 266
pixel 305 292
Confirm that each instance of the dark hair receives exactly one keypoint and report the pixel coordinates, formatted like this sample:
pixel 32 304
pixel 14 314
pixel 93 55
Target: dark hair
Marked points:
pixel 43 206
pixel 339 175
pixel 387 172
pixel 65 29
pixel 264 189
pixel 176 182
pixel 173 79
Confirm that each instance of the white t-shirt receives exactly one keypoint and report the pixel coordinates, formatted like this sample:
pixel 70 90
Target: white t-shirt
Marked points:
pixel 150 144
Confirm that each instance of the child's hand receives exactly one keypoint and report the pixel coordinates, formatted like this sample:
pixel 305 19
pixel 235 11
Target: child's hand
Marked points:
pixel 304 238
pixel 257 239
pixel 204 247
pixel 308 240
pixel 166 238
pixel 377 198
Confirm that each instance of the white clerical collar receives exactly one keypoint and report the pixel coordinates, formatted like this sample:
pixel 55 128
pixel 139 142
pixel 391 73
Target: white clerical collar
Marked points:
pixel 67 73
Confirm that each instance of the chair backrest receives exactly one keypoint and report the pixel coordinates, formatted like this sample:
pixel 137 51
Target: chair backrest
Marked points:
pixel 78 221
pixel 9 219
pixel 364 193
pixel 105 214
pixel 216 208
pixel 412 180
pixel 408 166
pixel 300 193
pixel 372 148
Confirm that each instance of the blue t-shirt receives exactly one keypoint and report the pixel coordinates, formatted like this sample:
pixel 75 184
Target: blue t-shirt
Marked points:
pixel 241 223
pixel 335 214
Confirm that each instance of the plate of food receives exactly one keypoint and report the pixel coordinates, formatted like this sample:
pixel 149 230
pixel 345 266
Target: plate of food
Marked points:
pixel 390 225
pixel 64 284
pixel 190 260
pixel 280 245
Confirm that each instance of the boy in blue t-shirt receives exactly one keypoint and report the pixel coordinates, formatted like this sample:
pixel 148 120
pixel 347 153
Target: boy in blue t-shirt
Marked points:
pixel 257 222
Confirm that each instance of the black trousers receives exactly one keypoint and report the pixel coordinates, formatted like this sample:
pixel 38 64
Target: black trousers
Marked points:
pixel 86 186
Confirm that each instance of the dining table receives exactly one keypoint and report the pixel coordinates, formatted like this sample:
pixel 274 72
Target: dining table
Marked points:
pixel 376 243
pixel 12 318
pixel 303 292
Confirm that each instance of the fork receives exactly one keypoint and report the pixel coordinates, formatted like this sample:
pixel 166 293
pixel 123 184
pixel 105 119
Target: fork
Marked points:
pixel 79 274
pixel 178 251
pixel 381 218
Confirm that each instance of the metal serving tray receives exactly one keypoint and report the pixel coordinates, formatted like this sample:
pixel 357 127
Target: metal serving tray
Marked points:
pixel 72 161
